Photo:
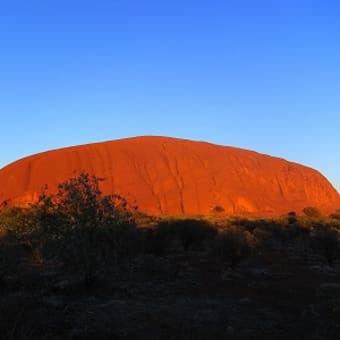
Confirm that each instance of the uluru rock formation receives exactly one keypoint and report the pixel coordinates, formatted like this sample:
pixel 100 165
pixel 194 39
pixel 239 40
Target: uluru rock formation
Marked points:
pixel 165 175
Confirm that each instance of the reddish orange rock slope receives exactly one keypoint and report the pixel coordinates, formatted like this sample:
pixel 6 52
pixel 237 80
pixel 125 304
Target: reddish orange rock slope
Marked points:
pixel 174 176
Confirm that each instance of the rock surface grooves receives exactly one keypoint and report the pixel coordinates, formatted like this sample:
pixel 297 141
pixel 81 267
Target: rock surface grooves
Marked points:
pixel 174 176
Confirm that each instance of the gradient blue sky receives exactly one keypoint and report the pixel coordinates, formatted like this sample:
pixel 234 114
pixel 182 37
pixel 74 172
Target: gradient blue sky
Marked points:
pixel 262 75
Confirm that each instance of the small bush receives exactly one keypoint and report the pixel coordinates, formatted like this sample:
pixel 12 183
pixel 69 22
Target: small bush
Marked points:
pixel 218 209
pixel 251 224
pixel 326 241
pixel 190 233
pixel 312 212
pixel 292 217
pixel 233 245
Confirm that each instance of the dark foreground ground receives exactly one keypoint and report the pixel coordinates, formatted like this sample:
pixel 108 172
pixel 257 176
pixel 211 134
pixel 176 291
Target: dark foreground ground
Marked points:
pixel 276 293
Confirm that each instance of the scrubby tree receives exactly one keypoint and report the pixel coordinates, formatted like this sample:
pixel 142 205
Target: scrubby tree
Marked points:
pixel 86 226
pixel 77 226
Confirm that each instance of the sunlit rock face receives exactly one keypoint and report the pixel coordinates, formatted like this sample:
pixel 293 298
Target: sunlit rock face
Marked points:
pixel 170 176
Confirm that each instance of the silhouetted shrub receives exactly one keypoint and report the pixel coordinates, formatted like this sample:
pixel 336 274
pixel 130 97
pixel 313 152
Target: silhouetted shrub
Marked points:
pixel 21 226
pixel 78 226
pixel 312 212
pixel 218 209
pixel 252 224
pixel 91 229
pixel 326 242
pixel 292 217
pixel 189 233
pixel 233 245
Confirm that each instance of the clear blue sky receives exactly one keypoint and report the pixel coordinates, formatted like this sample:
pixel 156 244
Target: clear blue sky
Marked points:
pixel 263 75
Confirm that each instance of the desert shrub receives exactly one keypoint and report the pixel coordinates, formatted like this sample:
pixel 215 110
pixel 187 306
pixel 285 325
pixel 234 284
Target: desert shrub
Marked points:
pixel 218 209
pixel 264 229
pixel 91 228
pixel 233 245
pixel 299 232
pixel 17 221
pixel 312 212
pixel 77 226
pixel 144 220
pixel 190 233
pixel 246 223
pixel 20 227
pixel 292 217
pixel 16 226
pixel 294 231
pixel 326 242
pixel 252 224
